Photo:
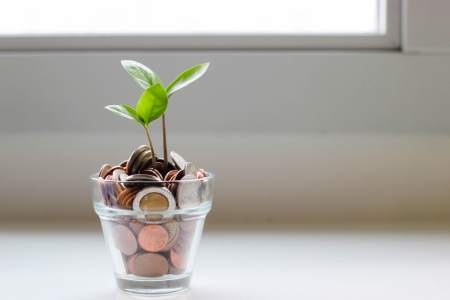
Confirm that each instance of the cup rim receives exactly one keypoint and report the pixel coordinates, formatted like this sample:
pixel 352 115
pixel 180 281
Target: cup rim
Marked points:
pixel 94 177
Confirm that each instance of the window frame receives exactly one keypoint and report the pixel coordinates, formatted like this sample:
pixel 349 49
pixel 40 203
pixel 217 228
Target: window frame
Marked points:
pixel 391 39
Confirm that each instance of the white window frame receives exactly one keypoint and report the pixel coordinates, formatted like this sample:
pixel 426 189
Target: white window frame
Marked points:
pixel 389 40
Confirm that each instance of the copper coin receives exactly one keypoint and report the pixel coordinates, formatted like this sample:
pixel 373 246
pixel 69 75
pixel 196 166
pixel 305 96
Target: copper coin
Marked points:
pixel 180 175
pixel 126 196
pixel 170 174
pixel 184 243
pixel 130 262
pixel 124 239
pixel 149 265
pixel 151 171
pixel 153 238
pixel 136 226
pixel 179 261
pixel 103 170
pixel 124 163
pixel 111 170
pixel 175 271
pixel 181 249
pixel 202 172
pixel 160 167
pixel 134 156
pixel 125 263
pixel 170 165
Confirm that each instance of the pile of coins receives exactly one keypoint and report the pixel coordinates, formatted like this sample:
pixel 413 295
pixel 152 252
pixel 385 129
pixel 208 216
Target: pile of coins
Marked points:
pixel 137 174
pixel 150 250
pixel 153 245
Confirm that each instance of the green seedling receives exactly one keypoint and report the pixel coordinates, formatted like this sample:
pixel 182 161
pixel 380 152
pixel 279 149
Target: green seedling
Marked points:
pixel 153 102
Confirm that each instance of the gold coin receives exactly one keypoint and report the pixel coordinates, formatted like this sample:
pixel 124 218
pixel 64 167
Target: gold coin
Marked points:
pixel 154 202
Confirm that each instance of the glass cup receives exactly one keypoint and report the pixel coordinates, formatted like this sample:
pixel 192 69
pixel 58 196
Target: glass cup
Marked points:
pixel 152 230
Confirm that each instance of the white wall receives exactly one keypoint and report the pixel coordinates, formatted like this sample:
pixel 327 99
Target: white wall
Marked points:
pixel 290 135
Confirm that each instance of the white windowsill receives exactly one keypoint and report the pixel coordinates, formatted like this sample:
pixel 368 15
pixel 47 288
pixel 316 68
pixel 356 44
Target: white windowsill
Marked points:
pixel 406 261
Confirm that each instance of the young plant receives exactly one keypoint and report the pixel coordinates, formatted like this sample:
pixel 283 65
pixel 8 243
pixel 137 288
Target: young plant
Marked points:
pixel 151 105
pixel 146 78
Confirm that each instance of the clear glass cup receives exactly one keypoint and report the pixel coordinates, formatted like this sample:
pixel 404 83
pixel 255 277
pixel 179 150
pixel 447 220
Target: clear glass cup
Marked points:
pixel 153 243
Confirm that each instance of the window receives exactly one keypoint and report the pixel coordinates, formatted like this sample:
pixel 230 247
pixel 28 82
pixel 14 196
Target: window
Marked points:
pixel 200 24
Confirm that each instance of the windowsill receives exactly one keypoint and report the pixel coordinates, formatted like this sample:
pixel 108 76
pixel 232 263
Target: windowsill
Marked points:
pixel 241 262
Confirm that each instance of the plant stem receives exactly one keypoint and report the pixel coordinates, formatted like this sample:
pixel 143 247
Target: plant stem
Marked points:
pixel 151 147
pixel 166 159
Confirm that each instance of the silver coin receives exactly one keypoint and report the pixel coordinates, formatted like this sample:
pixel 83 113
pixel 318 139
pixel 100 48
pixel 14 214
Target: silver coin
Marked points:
pixel 189 169
pixel 173 229
pixel 119 175
pixel 188 192
pixel 179 161
pixel 149 219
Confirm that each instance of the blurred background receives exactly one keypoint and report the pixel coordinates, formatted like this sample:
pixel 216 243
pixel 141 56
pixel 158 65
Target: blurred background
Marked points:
pixel 325 112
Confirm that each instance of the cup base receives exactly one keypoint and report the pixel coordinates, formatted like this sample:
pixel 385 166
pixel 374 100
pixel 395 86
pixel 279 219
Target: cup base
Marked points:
pixel 150 286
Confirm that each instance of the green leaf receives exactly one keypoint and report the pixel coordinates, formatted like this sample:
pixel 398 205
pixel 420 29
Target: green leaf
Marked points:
pixel 141 74
pixel 152 104
pixel 124 111
pixel 186 78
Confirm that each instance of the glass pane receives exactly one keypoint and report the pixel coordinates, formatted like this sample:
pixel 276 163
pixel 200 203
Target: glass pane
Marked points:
pixel 233 17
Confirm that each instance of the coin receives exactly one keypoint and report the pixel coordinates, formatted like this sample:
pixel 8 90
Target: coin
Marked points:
pixel 141 180
pixel 119 175
pixel 149 265
pixel 188 192
pixel 103 171
pixel 170 165
pixel 202 172
pixel 126 196
pixel 179 261
pixel 112 169
pixel 188 225
pixel 151 171
pixel 175 271
pixel 142 161
pixel 184 243
pixel 170 174
pixel 136 226
pixel 186 235
pixel 153 238
pixel 173 230
pixel 130 262
pixel 124 239
pixel 180 249
pixel 125 263
pixel 153 199
pixel 134 156
pixel 189 169
pixel 179 161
